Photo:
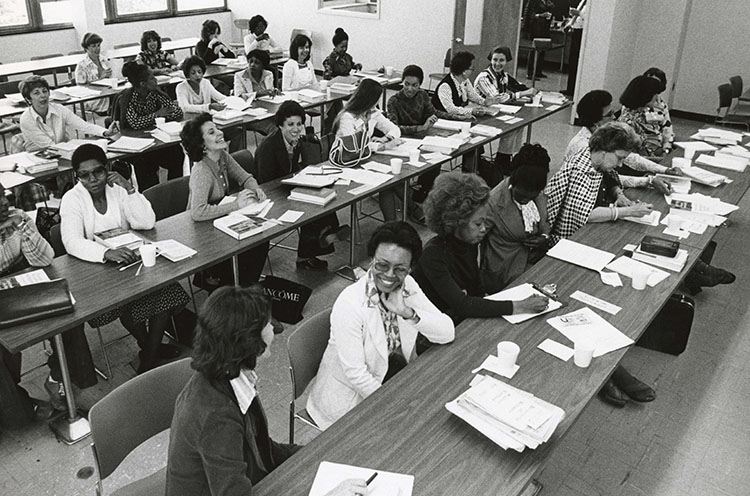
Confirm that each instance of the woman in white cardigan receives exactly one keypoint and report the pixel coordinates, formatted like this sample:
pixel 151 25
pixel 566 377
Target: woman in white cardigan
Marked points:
pixel 374 326
pixel 101 201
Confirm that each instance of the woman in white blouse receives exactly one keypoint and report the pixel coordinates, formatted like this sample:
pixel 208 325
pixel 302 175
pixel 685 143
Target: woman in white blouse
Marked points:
pixel 196 94
pixel 374 326
pixel 93 67
pixel 298 71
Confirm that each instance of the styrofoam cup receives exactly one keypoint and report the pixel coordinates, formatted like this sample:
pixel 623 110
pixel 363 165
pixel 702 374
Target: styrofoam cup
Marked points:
pixel 689 153
pixel 507 353
pixel 583 352
pixel 148 255
pixel 160 120
pixel 396 164
pixel 414 156
pixel 537 99
pixel 389 70
pixel 675 223
pixel 639 278
pixel 323 84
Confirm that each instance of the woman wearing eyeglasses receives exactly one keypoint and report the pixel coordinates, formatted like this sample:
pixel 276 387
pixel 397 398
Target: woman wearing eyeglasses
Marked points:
pixel 104 200
pixel 374 326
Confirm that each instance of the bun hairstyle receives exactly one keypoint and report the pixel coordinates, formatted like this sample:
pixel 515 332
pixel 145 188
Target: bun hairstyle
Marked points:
pixel 501 49
pixel 339 36
pixel 135 72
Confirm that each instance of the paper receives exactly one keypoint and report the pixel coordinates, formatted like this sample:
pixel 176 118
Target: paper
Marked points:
pixel 343 182
pixel 687 225
pixel 723 161
pixel 504 118
pixel 514 120
pixel 556 349
pixel 585 326
pixel 291 216
pixel 476 139
pixel 361 189
pixel 697 202
pixel 580 254
pixel 482 130
pixel 254 208
pixel 377 167
pixel 595 302
pixel 330 475
pixel 611 279
pixel 435 157
pixel 12 179
pixel 650 219
pixel 362 176
pixel 279 99
pixel 173 251
pixel 697 146
pixel 520 293
pixel 508 109
pixel 677 233
pixel 128 144
pixel 699 217
pixel 626 266
pixel 553 107
pixel 492 363
pixel 25 279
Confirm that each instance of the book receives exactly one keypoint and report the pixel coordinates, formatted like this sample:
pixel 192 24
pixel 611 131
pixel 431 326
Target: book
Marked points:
pixel 66 148
pixel 237 103
pixel 311 96
pixel 118 238
pixel 240 226
pixel 174 251
pixel 228 116
pixel 127 144
pixel 320 196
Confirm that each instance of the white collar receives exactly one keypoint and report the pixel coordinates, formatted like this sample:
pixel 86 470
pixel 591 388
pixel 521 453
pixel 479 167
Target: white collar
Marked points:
pixel 244 388
pixel 50 112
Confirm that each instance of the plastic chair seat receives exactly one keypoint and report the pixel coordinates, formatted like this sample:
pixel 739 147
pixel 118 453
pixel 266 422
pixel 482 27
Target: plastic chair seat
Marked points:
pixel 148 486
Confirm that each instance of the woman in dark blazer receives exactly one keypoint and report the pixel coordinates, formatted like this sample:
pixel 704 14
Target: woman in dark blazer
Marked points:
pixel 285 152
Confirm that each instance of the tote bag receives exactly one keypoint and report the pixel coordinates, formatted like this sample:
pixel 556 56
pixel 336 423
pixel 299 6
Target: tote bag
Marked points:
pixel 350 150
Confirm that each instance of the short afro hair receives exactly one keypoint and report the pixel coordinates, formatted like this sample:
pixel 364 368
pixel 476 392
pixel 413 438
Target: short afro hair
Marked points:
pixel 85 152
pixel 399 233
pixel 190 62
pixel 453 199
pixel 530 167
pixel 413 71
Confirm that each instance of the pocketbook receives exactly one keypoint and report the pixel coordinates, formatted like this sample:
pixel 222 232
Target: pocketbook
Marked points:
pixel 23 304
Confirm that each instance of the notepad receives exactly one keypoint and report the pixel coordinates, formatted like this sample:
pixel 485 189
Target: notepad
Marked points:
pixel 520 293
pixel 291 216
pixel 330 475
pixel 580 254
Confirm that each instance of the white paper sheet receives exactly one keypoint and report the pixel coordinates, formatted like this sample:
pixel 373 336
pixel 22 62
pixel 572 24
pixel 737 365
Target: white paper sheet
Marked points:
pixel 556 349
pixel 587 327
pixel 520 293
pixel 611 279
pixel 723 161
pixel 330 475
pixel 377 167
pixel 626 265
pixel 291 216
pixel 596 302
pixel 362 176
pixel 581 255
pixel 514 120
pixel 13 179
pixel 508 109
pixel 492 363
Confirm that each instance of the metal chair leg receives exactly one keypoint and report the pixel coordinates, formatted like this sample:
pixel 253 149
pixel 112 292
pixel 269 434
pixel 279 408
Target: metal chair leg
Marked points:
pixel 104 352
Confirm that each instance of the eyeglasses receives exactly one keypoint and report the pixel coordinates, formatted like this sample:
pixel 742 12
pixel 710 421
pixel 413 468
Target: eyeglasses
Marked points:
pixel 97 173
pixel 385 267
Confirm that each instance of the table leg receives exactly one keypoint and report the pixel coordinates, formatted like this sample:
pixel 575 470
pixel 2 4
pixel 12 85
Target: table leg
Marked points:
pixel 73 426
pixel 236 270
pixel 405 201
pixel 528 134
pixel 533 74
pixel 347 271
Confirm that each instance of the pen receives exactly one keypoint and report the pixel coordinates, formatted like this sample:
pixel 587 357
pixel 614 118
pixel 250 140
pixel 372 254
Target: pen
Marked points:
pixel 543 291
pixel 372 478
pixel 137 272
pixel 129 265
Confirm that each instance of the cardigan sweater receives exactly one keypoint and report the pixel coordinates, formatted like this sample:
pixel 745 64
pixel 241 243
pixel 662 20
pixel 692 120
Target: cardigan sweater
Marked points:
pixel 449 274
pixel 190 101
pixel 215 449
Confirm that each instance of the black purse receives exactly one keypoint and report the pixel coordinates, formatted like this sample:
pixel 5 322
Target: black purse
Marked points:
pixel 288 298
pixel 46 218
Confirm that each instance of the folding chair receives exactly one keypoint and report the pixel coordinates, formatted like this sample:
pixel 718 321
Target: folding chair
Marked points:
pixel 723 113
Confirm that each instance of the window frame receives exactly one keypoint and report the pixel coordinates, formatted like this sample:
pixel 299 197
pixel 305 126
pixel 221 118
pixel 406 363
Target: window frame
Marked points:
pixel 111 16
pixel 348 8
pixel 36 22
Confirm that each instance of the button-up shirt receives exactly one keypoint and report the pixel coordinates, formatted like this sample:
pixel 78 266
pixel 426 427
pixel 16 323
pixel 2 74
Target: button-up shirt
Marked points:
pixel 23 241
pixel 244 388
pixel 61 125
pixel 87 71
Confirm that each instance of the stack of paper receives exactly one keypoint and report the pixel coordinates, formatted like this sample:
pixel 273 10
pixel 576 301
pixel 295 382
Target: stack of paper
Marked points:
pixel 510 417
pixel 228 116
pixel 407 146
pixel 723 161
pixel 127 144
pixel 168 132
pixel 15 98
pixel 698 217
pixel 441 144
pixel 508 109
pixel 696 202
pixel 108 82
pixel 484 130
pixel 718 136
pixel 12 179
pixel 737 151
pixel 457 126
pixel 703 176
pixel 695 146
pixel 580 254
pixel 311 96
pixel 362 176
pixel 279 99
pixel 26 162
pixel 553 97
pixel 675 264
pixel 78 91
pixel 330 475
pixel 521 293
pixel 312 177
pixel 585 326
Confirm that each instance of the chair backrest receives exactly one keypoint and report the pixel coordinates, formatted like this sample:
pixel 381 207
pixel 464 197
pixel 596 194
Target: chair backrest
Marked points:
pixel 135 412
pixel 736 83
pixel 725 97
pixel 447 59
pixel 45 72
pixel 242 23
pixel 306 346
pixel 247 161
pixel 55 239
pixel 125 45
pixel 9 87
pixel 296 31
pixel 170 198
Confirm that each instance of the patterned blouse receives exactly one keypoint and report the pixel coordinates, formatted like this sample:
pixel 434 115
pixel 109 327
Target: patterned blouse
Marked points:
pixel 390 319
pixel 338 65
pixel 648 125
pixel 154 60
pixel 140 112
pixel 24 241
pixel 87 71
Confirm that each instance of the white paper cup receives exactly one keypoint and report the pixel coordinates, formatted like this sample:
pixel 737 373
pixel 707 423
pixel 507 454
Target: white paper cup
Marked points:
pixel 537 100
pixel 582 354
pixel 680 162
pixel 414 157
pixel 148 255
pixel 323 84
pixel 675 223
pixel 639 278
pixel 396 164
pixel 160 120
pixel 507 354
pixel 389 70
pixel 689 153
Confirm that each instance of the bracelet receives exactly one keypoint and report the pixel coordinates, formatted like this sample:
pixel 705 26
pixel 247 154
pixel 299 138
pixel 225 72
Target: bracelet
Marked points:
pixel 611 213
pixel 650 180
pixel 617 213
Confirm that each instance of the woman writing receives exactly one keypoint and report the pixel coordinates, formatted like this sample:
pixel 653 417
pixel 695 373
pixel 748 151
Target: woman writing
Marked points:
pixel 454 93
pixel 219 443
pixel 339 62
pixel 374 326
pixel 298 71
pixel 104 200
pixel 153 57
pixel 93 67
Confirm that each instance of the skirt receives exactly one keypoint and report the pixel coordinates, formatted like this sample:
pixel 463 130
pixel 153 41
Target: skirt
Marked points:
pixel 167 299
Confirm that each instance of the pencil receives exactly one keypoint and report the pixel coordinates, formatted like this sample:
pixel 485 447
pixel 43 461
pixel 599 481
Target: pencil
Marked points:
pixel 372 478
pixel 137 272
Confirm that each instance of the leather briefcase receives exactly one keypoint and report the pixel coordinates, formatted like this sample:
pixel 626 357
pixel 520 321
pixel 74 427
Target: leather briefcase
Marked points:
pixel 24 304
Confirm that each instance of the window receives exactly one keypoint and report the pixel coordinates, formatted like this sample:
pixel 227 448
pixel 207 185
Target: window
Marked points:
pixel 34 15
pixel 351 8
pixel 128 10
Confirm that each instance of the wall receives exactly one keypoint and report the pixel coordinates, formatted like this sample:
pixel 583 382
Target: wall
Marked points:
pixel 408 31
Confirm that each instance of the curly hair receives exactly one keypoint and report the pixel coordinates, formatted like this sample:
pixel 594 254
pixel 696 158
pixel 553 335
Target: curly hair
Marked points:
pixel 190 62
pixel 228 334
pixel 614 136
pixel 192 136
pixel 399 233
pixel 148 36
pixel 453 200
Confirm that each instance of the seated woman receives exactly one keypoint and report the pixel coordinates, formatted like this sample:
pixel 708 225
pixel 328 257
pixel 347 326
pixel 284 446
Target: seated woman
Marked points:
pixel 360 113
pixel 640 95
pixel 258 39
pixel 153 57
pixel 214 175
pixel 209 47
pixel 374 326
pixel 104 200
pixel 495 82
pixel 298 71
pixel 197 94
pixel 93 67
pixel 448 270
pixel 660 109
pixel 339 62
pixel 219 442
pixel 137 108
pixel 256 80
pixel 518 230
pixel 44 123
pixel 285 152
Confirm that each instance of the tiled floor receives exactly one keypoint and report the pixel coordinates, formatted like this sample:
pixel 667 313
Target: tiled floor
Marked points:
pixel 694 440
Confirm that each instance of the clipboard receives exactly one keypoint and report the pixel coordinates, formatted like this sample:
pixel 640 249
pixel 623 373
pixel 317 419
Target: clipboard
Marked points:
pixel 524 291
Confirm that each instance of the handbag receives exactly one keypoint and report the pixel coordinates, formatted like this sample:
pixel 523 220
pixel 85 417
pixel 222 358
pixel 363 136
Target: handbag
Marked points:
pixel 288 298
pixel 46 218
pixel 24 304
pixel 350 150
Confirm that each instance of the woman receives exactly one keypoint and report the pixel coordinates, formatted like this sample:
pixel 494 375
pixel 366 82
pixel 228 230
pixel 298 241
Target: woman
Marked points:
pixel 104 200
pixel 285 152
pixel 518 230
pixel 660 109
pixel 258 39
pixel 448 270
pixel 215 173
pixel 137 108
pixel 495 82
pixel 374 326
pixel 197 94
pixel 454 92
pixel 44 123
pixel 93 67
pixel 255 81
pixel 153 57
pixel 360 113
pixel 209 48
pixel 298 71
pixel 219 443
pixel 339 63
pixel 640 95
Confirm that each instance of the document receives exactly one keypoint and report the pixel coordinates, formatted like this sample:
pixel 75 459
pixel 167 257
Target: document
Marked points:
pixel 508 109
pixel 581 255
pixel 520 293
pixel 723 161
pixel 650 219
pixel 291 216
pixel 504 118
pixel 595 302
pixel 587 327
pixel 698 146
pixel 25 279
pixel 13 179
pixel 362 176
pixel 687 225
pixel 556 349
pixel 330 475
pixel 626 266
pixel 435 157
pixel 514 120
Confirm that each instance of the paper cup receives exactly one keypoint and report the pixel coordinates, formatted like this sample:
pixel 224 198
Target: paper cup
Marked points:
pixel 414 157
pixel 582 354
pixel 389 71
pixel 160 120
pixel 639 278
pixel 396 164
pixel 537 100
pixel 682 163
pixel 148 255
pixel 507 354
pixel 323 84
pixel 675 223
pixel 689 153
